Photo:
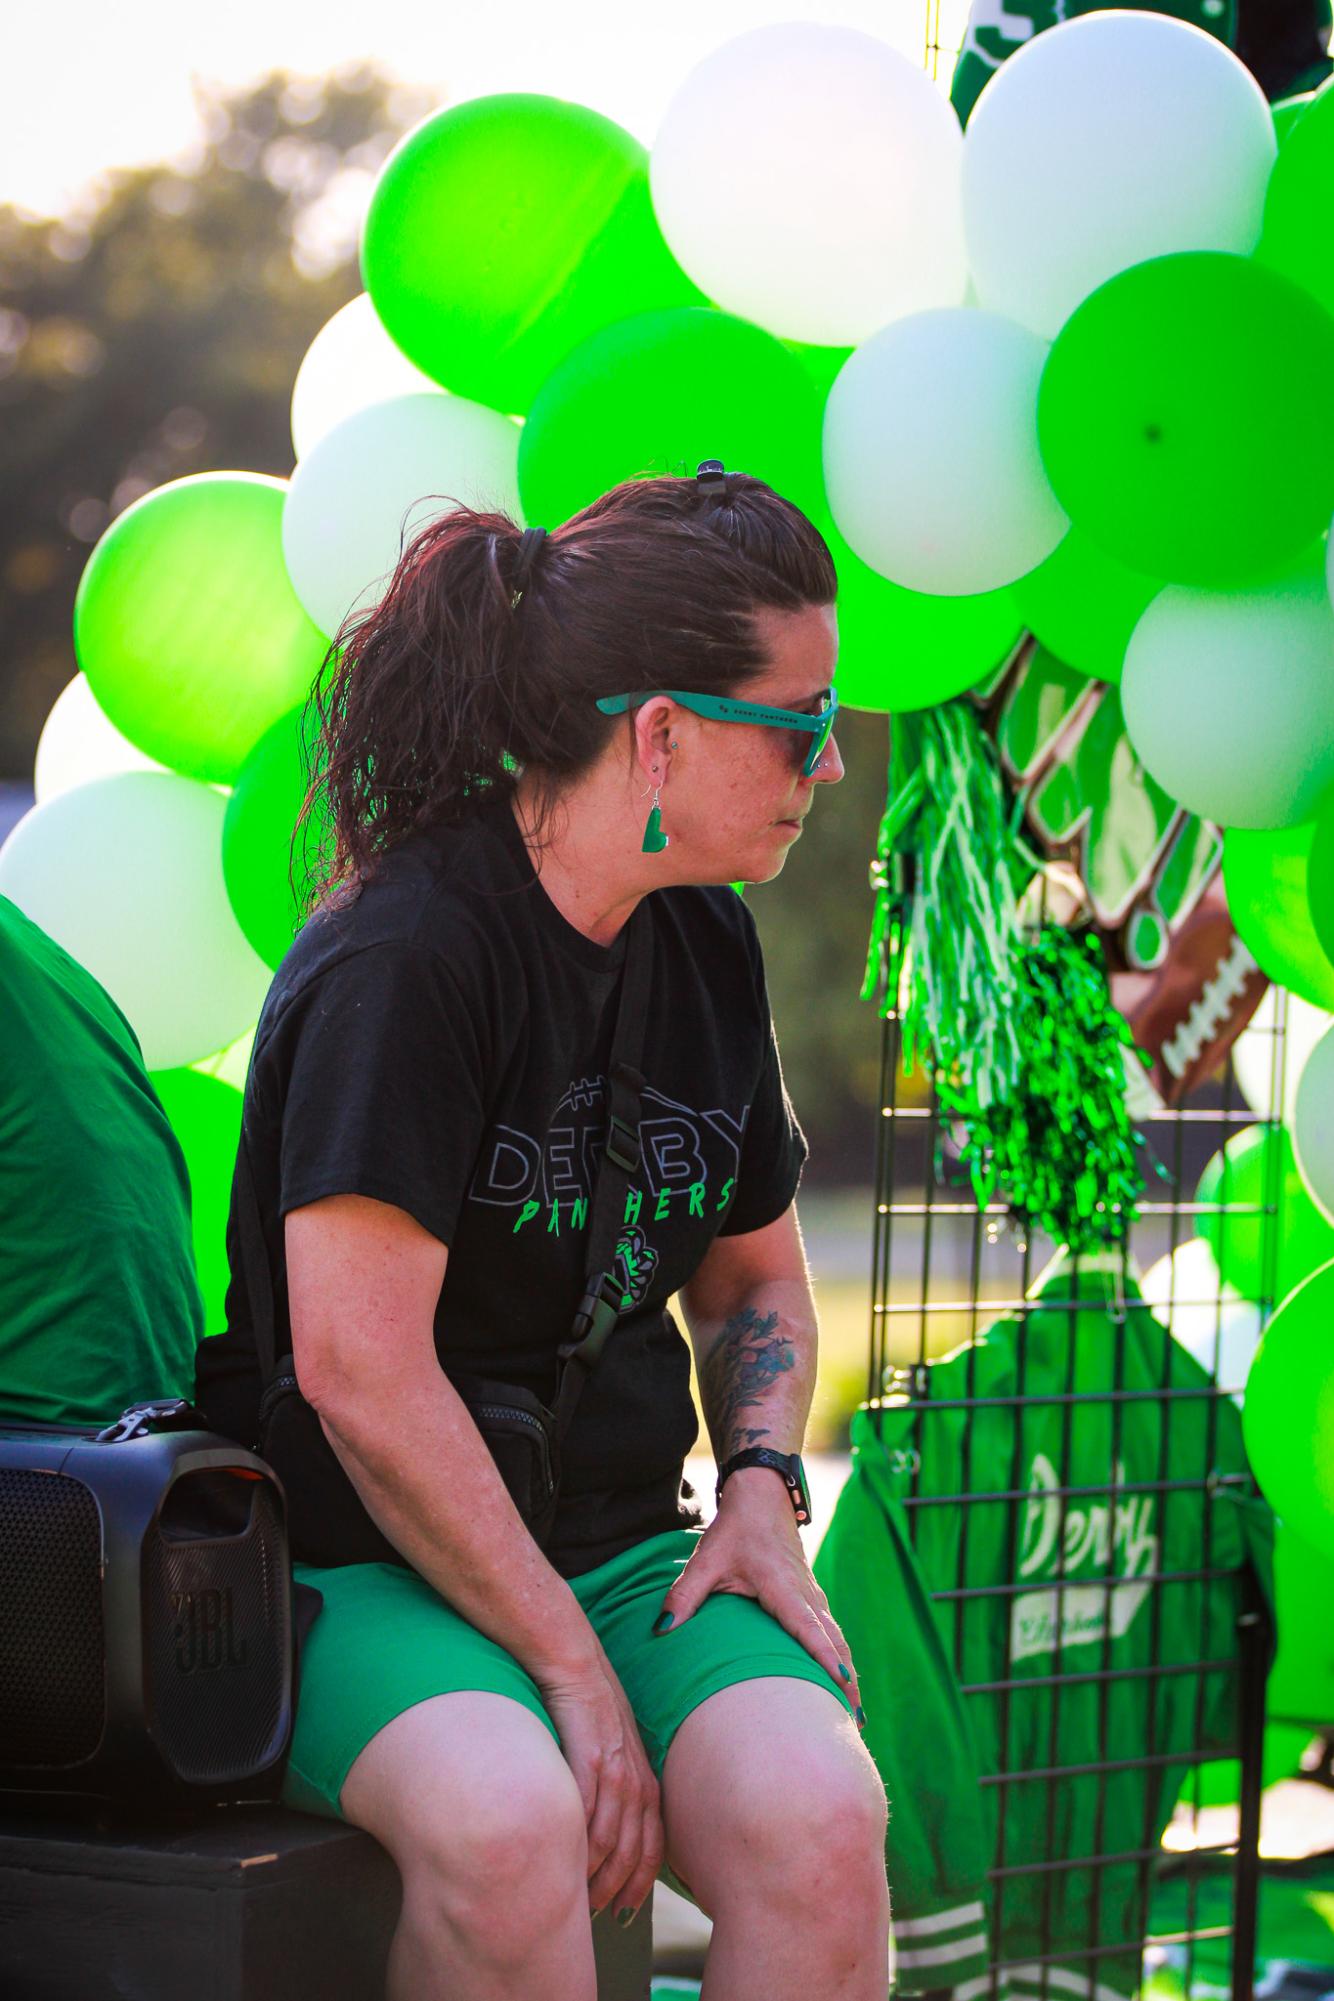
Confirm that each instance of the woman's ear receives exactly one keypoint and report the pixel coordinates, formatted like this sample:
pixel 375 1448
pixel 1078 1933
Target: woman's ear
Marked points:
pixel 653 724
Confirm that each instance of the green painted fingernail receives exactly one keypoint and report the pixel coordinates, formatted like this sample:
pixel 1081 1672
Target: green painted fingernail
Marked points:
pixel 861 1714
pixel 625 1917
pixel 665 1620
pixel 843 1671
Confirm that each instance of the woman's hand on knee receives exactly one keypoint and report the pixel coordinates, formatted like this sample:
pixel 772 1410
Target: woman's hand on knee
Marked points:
pixel 622 1807
pixel 753 1550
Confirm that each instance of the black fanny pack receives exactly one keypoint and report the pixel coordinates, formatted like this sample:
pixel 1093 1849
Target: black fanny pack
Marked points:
pixel 328 1524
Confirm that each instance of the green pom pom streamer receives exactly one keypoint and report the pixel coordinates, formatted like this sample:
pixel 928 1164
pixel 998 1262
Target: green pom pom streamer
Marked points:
pixel 945 942
pixel 1016 1029
pixel 1059 1148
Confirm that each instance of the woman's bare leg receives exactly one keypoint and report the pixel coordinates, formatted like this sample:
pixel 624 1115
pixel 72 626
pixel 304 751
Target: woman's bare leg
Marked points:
pixel 473 1799
pixel 775 1817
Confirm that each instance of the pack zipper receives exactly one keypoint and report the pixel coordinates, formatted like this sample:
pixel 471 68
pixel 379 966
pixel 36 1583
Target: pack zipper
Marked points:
pixel 506 1410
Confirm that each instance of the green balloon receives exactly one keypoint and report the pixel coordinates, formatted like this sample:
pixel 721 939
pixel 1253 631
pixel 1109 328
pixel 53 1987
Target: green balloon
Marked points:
pixel 1265 880
pixel 1288 1415
pixel 1270 1235
pixel 822 364
pixel 503 232
pixel 658 394
pixel 1084 606
pixel 1286 113
pixel 1320 881
pixel 1297 238
pixel 1185 420
pixel 266 881
pixel 900 649
pixel 1301 1681
pixel 187 626
pixel 205 1116
pixel 1299 1695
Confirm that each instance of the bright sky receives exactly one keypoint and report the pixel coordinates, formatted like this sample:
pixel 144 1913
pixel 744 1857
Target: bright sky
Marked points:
pixel 86 86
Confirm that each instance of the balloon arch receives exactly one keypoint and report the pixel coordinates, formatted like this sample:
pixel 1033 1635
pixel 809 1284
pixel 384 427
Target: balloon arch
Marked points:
pixel 1065 374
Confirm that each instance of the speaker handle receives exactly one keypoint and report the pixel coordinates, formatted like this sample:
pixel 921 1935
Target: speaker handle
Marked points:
pixel 158 1414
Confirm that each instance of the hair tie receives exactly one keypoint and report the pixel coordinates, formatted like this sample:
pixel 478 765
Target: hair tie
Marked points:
pixel 530 542
pixel 711 482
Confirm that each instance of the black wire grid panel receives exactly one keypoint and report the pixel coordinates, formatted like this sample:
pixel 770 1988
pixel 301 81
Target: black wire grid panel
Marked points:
pixel 1096 1887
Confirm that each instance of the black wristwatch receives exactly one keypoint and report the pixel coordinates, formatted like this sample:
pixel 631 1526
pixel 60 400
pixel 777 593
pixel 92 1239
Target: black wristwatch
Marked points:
pixel 787 1463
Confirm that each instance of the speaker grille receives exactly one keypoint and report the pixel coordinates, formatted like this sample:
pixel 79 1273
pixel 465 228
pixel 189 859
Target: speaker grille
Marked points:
pixel 216 1622
pixel 52 1684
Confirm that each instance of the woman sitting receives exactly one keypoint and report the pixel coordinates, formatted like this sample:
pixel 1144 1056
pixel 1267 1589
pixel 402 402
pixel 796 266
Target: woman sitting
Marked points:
pixel 531 1731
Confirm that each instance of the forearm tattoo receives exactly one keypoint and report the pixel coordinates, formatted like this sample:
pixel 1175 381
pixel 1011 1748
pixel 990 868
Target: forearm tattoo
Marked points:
pixel 746 1360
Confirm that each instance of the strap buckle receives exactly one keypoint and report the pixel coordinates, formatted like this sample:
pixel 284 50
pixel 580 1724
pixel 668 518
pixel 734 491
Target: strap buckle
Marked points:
pixel 596 1315
pixel 169 1413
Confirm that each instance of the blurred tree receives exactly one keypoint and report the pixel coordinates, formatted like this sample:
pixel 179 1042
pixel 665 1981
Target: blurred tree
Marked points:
pixel 159 334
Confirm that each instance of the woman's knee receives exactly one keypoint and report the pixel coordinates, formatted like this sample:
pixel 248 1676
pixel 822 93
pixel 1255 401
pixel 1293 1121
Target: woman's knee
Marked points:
pixel 475 1802
pixel 797 1815
pixel 831 1804
pixel 813 1851
pixel 509 1874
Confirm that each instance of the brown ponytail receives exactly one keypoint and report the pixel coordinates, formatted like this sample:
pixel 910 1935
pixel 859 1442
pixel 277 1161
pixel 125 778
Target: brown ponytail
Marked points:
pixel 441 692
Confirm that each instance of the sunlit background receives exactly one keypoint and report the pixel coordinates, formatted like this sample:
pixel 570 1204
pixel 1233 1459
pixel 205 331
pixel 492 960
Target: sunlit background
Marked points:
pixel 93 88
pixel 180 206
pixel 181 197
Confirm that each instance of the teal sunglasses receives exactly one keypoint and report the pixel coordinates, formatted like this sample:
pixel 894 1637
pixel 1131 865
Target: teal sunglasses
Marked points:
pixel 723 709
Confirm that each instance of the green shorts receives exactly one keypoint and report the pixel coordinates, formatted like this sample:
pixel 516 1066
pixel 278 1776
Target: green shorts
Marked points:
pixel 386 1640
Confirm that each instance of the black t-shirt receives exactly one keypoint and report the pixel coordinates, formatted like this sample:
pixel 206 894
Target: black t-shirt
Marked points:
pixel 442 1044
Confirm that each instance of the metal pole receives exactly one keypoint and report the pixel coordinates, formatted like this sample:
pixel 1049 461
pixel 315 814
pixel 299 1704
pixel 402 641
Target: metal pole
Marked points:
pixel 1252 1640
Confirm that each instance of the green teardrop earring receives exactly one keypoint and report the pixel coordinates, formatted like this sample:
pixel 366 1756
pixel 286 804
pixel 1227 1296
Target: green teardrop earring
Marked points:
pixel 654 838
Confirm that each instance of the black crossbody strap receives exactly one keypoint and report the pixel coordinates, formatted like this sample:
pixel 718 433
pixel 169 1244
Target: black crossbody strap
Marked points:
pixel 601 1304
pixel 255 1263
pixel 603 1299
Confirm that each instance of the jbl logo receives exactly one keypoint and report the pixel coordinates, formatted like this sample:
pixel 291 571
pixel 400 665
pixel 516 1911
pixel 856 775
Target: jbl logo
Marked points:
pixel 205 1632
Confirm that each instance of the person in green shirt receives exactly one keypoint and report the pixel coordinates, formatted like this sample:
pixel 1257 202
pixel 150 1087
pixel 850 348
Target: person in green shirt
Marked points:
pixel 99 1303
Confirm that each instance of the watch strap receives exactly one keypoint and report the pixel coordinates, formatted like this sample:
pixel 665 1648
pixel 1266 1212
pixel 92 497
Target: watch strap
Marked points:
pixel 786 1464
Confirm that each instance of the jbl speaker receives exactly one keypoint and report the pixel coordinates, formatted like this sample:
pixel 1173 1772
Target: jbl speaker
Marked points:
pixel 146 1640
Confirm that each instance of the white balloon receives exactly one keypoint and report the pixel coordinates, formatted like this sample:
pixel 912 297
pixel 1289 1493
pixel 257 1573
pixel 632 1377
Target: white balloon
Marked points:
pixel 232 1064
pixel 126 874
pixel 350 364
pixel 931 454
pixel 369 484
pixel 807 178
pixel 1210 1319
pixel 1313 1124
pixel 1109 139
pixel 79 742
pixel 1267 1079
pixel 1229 698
